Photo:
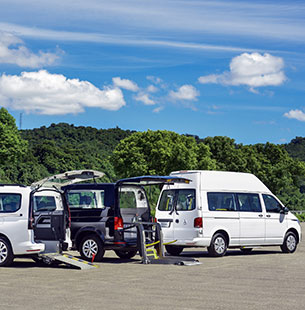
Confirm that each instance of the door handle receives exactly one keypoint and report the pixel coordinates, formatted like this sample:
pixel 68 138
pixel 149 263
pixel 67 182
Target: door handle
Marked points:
pixel 268 215
pixel 260 215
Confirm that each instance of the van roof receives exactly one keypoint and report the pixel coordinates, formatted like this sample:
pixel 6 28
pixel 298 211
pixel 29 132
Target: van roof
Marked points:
pixel 224 180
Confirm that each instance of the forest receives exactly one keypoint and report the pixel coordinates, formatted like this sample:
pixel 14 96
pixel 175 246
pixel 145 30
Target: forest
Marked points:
pixel 29 155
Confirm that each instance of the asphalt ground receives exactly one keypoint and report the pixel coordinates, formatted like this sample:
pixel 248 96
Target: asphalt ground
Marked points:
pixel 264 279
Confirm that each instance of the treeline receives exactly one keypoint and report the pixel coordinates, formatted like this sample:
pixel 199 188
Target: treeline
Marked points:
pixel 29 155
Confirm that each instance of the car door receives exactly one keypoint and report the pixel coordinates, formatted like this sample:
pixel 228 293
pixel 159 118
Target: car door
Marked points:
pixel 14 202
pixel 50 219
pixel 251 219
pixel 276 222
pixel 184 214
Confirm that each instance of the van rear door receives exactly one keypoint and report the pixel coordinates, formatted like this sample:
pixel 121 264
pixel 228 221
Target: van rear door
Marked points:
pixel 50 219
pixel 142 210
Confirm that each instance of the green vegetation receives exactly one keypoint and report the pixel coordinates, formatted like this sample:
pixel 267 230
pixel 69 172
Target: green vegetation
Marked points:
pixel 30 155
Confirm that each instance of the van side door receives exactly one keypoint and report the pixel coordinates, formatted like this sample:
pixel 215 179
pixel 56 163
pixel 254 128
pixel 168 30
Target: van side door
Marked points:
pixel 223 214
pixel 252 219
pixel 14 218
pixel 276 223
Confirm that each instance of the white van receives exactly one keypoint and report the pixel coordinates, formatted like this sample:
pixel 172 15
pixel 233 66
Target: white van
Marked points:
pixel 31 222
pixel 220 209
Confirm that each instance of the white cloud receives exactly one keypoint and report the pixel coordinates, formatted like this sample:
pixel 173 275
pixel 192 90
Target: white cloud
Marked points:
pixel 212 78
pixel 13 51
pixel 142 97
pixel 296 114
pixel 126 84
pixel 53 94
pixel 154 79
pixel 152 89
pixel 158 109
pixel 253 70
pixel 185 92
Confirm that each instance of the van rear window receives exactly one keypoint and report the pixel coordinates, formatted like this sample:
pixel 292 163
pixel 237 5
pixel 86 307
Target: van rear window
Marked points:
pixel 10 203
pixel 180 199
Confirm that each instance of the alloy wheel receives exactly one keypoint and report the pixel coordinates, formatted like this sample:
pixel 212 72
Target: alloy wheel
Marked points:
pixel 90 248
pixel 3 252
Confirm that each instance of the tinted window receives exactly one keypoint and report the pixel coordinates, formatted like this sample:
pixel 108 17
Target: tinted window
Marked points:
pixel 271 204
pixel 86 199
pixel 167 200
pixel 44 203
pixel 249 203
pixel 221 202
pixel 10 203
pixel 127 200
pixel 186 200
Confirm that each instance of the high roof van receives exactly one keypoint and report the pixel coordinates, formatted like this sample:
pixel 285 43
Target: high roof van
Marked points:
pixel 221 210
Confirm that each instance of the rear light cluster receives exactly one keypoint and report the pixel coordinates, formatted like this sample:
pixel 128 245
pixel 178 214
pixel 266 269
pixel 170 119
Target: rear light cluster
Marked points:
pixel 118 223
pixel 198 222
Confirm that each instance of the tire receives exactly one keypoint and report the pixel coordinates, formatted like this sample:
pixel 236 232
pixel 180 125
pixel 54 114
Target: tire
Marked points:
pixel 126 254
pixel 218 246
pixel 290 243
pixel 6 253
pixel 173 250
pixel 246 250
pixel 91 245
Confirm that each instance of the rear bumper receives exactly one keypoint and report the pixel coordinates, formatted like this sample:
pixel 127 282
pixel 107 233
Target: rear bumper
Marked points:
pixel 29 248
pixel 196 242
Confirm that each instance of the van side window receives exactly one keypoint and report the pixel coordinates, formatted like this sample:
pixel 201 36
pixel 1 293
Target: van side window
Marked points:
pixel 221 202
pixel 167 200
pixel 10 203
pixel 249 203
pixel 186 200
pixel 271 204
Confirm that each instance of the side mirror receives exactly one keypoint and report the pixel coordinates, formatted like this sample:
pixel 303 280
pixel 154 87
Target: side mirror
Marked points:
pixel 284 210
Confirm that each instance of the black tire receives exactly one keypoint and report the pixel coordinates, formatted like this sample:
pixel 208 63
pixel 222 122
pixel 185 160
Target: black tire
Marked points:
pixel 218 246
pixel 173 250
pixel 290 243
pixel 246 250
pixel 6 253
pixel 91 244
pixel 126 254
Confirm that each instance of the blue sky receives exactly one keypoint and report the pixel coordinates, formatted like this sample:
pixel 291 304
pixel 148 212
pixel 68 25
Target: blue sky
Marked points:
pixel 230 68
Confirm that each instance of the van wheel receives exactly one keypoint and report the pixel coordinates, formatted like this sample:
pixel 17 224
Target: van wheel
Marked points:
pixel 90 246
pixel 218 245
pixel 173 250
pixel 6 253
pixel 290 243
pixel 246 250
pixel 126 254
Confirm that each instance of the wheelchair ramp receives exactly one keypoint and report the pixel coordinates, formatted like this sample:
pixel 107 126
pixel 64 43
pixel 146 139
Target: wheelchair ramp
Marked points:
pixel 68 260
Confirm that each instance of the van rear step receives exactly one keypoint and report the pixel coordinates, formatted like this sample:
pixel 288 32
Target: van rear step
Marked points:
pixel 67 259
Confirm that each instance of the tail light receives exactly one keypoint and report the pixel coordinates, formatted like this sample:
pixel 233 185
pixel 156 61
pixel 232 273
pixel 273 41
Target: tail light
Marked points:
pixel 118 223
pixel 31 222
pixel 198 222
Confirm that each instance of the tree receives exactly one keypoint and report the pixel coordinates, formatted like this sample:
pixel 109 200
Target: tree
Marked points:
pixel 12 146
pixel 159 152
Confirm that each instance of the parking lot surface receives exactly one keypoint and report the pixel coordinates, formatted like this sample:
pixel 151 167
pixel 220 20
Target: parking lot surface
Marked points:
pixel 264 279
